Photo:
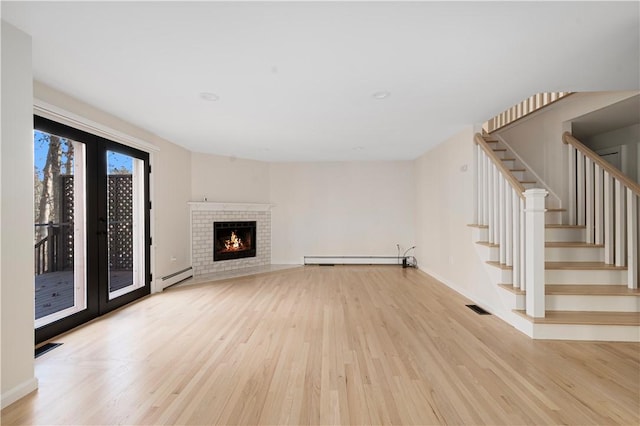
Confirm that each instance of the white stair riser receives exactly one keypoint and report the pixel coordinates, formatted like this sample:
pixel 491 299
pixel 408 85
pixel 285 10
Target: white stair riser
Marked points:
pixel 553 218
pixel 519 175
pixel 583 276
pixel 611 333
pixel 509 164
pixel 488 253
pixel 563 234
pixel 499 276
pixel 574 254
pixel 500 154
pixel 592 303
pixel 508 298
pixel 529 185
pixel 480 234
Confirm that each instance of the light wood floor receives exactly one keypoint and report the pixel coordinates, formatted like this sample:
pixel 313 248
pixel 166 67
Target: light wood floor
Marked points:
pixel 324 345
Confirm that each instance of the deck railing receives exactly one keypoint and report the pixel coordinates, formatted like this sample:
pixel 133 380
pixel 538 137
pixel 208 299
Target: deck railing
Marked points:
pixel 49 255
pixel 605 201
pixel 514 218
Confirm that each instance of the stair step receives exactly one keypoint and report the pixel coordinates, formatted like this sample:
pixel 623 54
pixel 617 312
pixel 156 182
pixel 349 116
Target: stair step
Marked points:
pixel 511 288
pixel 590 290
pixel 475 225
pixel 585 318
pixel 555 232
pixel 600 266
pixel 556 210
pixel 499 265
pixel 508 159
pixel 517 170
pixel 488 244
pixel 571 244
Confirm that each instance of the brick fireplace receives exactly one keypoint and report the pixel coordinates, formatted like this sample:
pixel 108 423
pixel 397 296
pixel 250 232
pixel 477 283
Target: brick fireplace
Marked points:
pixel 204 216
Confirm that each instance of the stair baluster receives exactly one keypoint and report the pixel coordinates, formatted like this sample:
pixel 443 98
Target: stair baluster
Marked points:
pixel 607 202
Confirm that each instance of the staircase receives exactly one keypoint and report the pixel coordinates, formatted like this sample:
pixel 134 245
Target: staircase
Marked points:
pixel 586 294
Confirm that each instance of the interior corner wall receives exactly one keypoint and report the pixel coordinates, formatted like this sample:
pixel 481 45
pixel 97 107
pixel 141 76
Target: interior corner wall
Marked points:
pixel 170 183
pixel 341 209
pixel 444 186
pixel 218 178
pixel 538 137
pixel 16 252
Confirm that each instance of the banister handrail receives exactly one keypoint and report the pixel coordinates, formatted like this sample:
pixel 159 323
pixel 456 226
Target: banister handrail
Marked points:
pixel 568 138
pixel 519 188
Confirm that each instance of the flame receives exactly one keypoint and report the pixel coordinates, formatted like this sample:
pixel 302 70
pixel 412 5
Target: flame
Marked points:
pixel 234 243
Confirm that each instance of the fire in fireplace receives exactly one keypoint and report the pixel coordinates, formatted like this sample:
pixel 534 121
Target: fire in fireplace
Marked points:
pixel 234 240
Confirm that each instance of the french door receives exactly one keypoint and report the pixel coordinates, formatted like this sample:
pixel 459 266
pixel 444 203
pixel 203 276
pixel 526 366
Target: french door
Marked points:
pixel 91 220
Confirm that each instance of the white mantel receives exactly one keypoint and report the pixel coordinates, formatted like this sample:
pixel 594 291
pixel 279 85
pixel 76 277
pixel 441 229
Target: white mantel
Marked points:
pixel 235 207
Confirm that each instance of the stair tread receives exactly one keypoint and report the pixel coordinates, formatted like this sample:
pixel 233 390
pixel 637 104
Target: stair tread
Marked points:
pixel 517 170
pixel 476 225
pixel 510 288
pixel 584 265
pixel 498 265
pixel 508 159
pixel 591 290
pixel 585 318
pixel 556 210
pixel 487 243
pixel 572 244
pixel 527 181
pixel 560 226
pixel 500 149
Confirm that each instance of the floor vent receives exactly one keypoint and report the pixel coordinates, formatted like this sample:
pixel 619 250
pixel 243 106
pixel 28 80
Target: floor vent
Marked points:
pixel 46 348
pixel 478 310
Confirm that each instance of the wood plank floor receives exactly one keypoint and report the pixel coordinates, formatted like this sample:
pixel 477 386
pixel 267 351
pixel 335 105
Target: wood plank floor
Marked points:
pixel 324 345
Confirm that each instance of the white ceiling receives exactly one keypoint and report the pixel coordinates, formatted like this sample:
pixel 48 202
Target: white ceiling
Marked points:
pixel 295 79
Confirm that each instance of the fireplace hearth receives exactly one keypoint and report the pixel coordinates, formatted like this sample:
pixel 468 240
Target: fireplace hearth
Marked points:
pixel 234 240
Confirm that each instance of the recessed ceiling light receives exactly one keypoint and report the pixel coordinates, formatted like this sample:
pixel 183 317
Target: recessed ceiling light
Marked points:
pixel 207 96
pixel 381 95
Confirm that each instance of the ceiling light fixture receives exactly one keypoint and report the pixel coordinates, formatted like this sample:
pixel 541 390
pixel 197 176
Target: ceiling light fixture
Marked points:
pixel 207 96
pixel 381 95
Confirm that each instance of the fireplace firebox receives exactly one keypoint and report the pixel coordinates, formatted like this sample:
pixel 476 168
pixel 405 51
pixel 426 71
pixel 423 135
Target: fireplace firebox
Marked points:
pixel 234 240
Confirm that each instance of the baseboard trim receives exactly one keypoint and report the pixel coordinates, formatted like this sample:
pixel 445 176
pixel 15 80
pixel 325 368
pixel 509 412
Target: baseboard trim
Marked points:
pixel 353 260
pixel 176 277
pixel 508 317
pixel 18 392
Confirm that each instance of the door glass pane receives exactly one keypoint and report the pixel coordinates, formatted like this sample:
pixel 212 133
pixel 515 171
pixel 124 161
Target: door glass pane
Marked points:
pixel 124 230
pixel 59 227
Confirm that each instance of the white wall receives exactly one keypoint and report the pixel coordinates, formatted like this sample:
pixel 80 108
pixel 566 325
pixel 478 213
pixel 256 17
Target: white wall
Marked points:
pixel 228 179
pixel 444 206
pixel 16 217
pixel 538 138
pixel 349 208
pixel 627 137
pixel 170 183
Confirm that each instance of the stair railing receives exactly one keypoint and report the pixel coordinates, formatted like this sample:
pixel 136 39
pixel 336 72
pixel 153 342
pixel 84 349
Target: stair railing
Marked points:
pixel 514 218
pixel 522 109
pixel 605 201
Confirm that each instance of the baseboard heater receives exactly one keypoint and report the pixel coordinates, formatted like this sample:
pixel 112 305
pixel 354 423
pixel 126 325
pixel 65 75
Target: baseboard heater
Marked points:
pixel 176 277
pixel 353 260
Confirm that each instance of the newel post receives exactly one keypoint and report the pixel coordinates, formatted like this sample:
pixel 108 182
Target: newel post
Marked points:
pixel 534 249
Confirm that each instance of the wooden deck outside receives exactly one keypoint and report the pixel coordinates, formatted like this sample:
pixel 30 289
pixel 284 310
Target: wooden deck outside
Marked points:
pixel 54 290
